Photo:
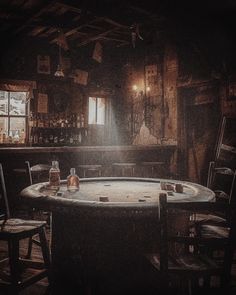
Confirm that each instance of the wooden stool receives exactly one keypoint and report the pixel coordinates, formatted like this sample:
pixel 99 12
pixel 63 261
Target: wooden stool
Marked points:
pixel 87 170
pixel 123 168
pixel 147 166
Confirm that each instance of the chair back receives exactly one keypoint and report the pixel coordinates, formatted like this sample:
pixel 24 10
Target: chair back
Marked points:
pixel 222 181
pixel 37 173
pixel 172 241
pixel 4 205
pixel 28 173
pixel 232 194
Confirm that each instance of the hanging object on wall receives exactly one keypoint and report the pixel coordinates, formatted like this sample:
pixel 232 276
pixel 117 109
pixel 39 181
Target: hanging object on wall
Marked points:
pixel 135 34
pixel 62 42
pixel 42 105
pixel 59 72
pixel 43 64
pixel 80 77
pixel 97 52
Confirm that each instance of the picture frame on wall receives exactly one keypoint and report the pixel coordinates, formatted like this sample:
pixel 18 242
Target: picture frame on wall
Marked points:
pixel 231 91
pixel 43 64
pixel 42 103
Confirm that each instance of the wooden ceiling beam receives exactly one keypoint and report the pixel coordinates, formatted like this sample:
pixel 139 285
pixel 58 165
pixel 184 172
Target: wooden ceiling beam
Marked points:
pixel 146 12
pixel 96 37
pixel 114 23
pixel 76 29
pixel 70 7
pixel 40 11
pixel 115 39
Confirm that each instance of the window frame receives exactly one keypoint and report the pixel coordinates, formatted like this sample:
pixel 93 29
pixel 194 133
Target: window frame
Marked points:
pixel 96 110
pixel 9 116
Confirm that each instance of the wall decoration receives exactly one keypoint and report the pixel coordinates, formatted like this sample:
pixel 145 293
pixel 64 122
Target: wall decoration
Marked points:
pixel 204 95
pixel 66 63
pixel 61 100
pixel 43 64
pixel 232 91
pixel 80 77
pixel 42 106
pixel 97 52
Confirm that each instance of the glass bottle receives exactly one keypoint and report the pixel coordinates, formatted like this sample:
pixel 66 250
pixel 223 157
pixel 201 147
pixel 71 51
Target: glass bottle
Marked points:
pixel 1 136
pixel 72 181
pixel 54 176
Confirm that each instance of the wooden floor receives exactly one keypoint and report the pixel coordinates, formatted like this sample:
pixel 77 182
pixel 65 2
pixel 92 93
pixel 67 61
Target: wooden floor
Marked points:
pixel 126 281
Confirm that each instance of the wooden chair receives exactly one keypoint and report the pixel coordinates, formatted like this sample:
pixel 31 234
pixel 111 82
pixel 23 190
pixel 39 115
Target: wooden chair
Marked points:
pixel 223 193
pixel 35 174
pixel 185 258
pixel 14 269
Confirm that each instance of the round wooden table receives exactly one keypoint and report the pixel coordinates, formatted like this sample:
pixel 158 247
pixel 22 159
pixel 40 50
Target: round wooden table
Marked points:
pixel 106 220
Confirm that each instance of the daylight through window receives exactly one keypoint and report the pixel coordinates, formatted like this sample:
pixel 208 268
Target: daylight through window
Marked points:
pixel 13 115
pixel 96 110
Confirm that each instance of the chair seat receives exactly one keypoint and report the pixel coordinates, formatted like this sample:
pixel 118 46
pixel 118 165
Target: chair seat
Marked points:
pixel 23 228
pixel 188 264
pixel 208 231
pixel 40 168
pixel 209 219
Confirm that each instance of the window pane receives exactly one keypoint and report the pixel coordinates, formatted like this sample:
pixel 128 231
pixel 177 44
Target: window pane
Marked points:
pixel 4 124
pixel 101 111
pixel 92 110
pixel 17 125
pixel 3 103
pixel 17 103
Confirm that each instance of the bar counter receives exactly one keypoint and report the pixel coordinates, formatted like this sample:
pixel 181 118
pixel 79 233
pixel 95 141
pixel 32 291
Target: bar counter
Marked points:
pixel 60 149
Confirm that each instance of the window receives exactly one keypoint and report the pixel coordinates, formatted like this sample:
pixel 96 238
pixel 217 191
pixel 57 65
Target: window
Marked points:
pixel 13 115
pixel 96 111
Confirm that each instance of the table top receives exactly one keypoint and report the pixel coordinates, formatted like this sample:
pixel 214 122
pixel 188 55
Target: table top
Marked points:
pixel 138 194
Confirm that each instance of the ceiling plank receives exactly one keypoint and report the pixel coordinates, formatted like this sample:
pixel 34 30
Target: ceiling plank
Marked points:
pixel 96 37
pixel 76 29
pixel 40 11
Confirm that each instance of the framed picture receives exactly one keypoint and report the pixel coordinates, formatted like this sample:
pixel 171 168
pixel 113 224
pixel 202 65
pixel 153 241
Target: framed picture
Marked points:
pixel 42 106
pixel 231 91
pixel 43 64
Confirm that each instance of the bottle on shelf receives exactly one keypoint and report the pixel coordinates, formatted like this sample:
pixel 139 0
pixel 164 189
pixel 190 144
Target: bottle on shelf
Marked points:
pixel 73 181
pixel 40 138
pixel 16 137
pixel 22 136
pixel 10 137
pixel 4 137
pixel 1 136
pixel 54 176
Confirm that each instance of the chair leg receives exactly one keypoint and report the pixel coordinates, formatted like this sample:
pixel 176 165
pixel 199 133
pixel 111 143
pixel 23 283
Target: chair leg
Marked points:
pixel 13 248
pixel 30 244
pixel 45 252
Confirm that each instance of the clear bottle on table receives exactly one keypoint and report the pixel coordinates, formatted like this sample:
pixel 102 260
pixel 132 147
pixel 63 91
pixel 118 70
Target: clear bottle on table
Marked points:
pixel 72 181
pixel 54 175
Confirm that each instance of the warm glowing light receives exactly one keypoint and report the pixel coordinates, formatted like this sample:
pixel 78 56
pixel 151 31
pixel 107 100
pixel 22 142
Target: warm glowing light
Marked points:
pixel 148 88
pixel 135 87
